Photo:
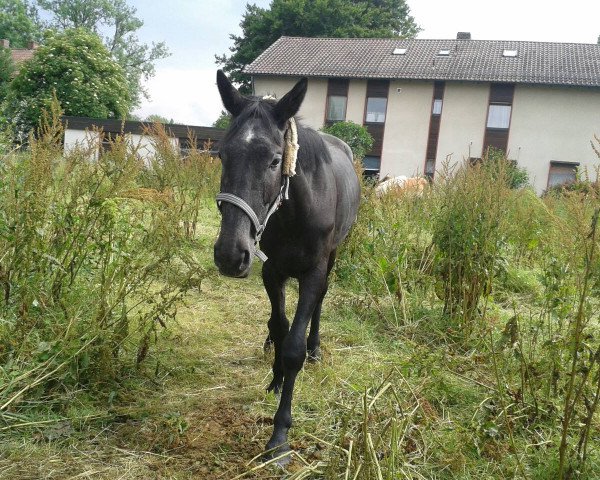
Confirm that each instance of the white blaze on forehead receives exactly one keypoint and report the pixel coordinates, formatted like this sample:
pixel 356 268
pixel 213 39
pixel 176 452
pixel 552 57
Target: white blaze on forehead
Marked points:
pixel 249 135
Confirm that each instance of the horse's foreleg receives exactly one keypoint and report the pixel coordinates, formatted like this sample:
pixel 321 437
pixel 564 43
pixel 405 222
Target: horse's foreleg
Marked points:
pixel 313 342
pixel 278 323
pixel 312 288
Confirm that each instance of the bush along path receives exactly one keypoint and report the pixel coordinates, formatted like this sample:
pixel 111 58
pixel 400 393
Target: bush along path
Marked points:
pixel 458 343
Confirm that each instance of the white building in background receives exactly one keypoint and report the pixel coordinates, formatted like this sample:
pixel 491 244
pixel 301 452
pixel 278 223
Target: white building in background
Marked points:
pixel 425 101
pixel 92 134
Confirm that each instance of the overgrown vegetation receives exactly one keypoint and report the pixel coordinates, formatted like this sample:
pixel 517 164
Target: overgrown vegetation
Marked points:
pixel 481 269
pixel 97 254
pixel 460 335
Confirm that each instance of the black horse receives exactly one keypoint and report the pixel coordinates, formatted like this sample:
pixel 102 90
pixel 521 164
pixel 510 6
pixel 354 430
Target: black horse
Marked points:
pixel 308 215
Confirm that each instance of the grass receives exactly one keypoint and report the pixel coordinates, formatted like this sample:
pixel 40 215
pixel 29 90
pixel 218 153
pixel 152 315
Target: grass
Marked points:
pixel 206 411
pixel 203 411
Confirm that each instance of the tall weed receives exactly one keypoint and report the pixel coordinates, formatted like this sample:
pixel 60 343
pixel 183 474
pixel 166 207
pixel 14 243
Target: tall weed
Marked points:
pixel 92 268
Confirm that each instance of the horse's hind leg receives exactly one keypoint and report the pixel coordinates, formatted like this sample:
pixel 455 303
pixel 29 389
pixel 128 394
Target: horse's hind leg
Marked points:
pixel 313 342
pixel 278 323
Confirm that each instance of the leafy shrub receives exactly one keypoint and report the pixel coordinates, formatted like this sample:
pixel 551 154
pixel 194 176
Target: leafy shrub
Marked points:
pixel 356 136
pixel 514 176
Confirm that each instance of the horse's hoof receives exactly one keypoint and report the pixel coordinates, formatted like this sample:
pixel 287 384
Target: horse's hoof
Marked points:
pixel 314 355
pixel 275 385
pixel 283 455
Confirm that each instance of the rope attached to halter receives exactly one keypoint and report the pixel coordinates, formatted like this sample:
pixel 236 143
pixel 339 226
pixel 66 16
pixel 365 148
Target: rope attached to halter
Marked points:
pixel 288 169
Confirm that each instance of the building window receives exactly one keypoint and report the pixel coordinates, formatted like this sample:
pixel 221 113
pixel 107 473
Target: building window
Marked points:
pixel 337 99
pixel 376 110
pixel 499 116
pixel 430 168
pixel 336 108
pixel 562 173
pixel 434 128
pixel 371 165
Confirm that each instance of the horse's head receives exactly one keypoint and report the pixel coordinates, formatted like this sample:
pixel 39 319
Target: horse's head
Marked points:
pixel 251 155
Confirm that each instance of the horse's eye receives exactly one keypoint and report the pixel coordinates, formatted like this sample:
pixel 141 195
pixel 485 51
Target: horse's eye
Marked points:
pixel 275 162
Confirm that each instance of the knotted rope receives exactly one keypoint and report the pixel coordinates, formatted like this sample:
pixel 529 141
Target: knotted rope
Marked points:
pixel 290 149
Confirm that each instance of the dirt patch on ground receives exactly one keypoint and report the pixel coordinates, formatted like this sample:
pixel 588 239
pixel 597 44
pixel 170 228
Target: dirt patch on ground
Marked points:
pixel 214 442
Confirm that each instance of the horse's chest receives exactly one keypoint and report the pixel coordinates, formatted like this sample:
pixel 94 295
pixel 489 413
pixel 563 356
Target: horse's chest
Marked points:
pixel 294 254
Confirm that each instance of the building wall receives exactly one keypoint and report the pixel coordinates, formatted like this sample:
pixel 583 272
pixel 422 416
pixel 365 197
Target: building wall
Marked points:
pixel 89 139
pixel 462 128
pixel 547 123
pixel 553 124
pixel 406 128
pixel 357 96
pixel 312 111
pixel 81 139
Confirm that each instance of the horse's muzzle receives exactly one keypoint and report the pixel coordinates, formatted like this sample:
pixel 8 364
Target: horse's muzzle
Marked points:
pixel 234 261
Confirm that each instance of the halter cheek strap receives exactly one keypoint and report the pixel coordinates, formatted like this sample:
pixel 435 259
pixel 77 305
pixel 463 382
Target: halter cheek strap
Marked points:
pixel 259 228
pixel 288 169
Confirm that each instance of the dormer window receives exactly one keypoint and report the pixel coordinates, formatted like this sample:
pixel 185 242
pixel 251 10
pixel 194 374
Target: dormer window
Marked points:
pixel 509 53
pixel 444 53
pixel 399 51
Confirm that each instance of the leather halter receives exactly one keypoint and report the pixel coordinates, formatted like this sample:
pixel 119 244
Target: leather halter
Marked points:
pixel 259 228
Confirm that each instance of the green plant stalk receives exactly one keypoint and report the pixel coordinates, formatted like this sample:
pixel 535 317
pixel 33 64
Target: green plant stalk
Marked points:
pixel 569 406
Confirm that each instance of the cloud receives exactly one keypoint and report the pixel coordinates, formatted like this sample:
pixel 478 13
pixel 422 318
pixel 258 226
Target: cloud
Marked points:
pixel 187 95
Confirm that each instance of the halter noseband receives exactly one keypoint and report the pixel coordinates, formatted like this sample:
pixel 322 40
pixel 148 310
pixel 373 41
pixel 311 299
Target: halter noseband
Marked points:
pixel 288 167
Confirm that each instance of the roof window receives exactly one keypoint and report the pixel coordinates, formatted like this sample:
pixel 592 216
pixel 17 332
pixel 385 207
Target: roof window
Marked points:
pixel 509 53
pixel 399 51
pixel 444 53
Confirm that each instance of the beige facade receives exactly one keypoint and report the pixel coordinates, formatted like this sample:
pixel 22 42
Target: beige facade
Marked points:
pixel 547 124
pixel 406 128
pixel 551 124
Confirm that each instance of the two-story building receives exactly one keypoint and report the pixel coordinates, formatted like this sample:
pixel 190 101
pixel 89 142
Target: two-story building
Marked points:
pixel 425 101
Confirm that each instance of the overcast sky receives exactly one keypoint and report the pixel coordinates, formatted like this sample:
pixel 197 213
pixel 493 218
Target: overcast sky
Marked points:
pixel 195 30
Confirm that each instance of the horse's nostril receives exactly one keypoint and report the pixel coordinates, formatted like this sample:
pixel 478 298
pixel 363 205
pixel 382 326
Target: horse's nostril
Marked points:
pixel 245 261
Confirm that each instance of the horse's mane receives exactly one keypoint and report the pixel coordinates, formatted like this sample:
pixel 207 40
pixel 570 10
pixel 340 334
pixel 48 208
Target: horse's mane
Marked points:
pixel 312 145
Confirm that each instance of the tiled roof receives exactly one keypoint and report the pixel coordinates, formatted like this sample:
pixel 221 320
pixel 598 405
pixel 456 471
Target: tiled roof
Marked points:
pixel 19 55
pixel 468 60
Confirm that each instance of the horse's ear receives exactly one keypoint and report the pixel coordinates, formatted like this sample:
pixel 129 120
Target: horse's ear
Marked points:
pixel 233 101
pixel 289 105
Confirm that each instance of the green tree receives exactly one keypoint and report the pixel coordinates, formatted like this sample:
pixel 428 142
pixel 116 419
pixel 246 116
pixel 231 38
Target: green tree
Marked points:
pixel 19 23
pixel 313 18
pixel 223 121
pixel 117 17
pixel 75 67
pixel 7 69
pixel 356 136
pixel 158 118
